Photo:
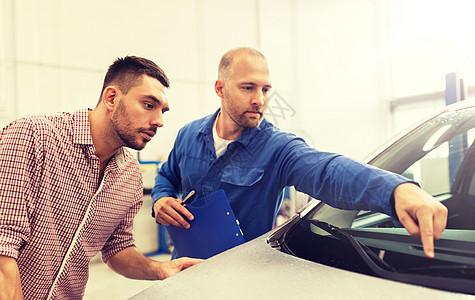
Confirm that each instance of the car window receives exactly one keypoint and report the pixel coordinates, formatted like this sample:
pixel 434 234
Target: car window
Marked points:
pixel 432 171
pixel 440 156
pixel 436 171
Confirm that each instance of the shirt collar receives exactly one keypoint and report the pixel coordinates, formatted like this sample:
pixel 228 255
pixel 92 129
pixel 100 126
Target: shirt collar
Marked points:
pixel 245 137
pixel 82 129
pixel 82 134
pixel 207 126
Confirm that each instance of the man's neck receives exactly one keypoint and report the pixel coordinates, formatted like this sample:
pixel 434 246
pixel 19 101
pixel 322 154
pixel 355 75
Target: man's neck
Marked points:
pixel 104 148
pixel 226 128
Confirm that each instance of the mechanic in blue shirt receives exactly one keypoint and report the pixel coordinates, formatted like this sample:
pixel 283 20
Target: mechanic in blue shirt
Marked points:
pixel 237 150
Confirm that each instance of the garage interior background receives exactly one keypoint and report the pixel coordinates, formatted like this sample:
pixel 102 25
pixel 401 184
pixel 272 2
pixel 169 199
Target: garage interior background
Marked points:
pixel 347 74
pixel 343 71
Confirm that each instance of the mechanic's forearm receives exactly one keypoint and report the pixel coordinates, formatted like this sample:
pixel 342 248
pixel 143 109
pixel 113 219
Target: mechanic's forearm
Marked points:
pixel 10 283
pixel 134 265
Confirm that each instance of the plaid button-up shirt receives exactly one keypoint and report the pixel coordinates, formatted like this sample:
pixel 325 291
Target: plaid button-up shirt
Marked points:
pixel 55 215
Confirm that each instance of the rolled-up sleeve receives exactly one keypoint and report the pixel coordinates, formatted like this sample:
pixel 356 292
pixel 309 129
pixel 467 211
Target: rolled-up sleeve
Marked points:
pixel 18 160
pixel 123 235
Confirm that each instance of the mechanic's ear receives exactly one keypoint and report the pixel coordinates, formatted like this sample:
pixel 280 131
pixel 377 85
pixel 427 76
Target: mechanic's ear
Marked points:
pixel 218 88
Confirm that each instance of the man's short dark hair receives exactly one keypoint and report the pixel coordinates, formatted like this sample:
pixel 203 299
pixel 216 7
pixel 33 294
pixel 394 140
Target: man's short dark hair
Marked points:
pixel 125 73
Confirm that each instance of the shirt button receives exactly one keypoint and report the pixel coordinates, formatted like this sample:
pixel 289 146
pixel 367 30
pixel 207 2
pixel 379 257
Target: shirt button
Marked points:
pixel 94 166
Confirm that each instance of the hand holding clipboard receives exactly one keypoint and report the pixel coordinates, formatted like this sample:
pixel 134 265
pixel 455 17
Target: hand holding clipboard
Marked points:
pixel 214 228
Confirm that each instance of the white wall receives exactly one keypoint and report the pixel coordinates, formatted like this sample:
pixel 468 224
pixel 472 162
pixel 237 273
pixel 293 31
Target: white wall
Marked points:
pixel 325 55
pixel 337 48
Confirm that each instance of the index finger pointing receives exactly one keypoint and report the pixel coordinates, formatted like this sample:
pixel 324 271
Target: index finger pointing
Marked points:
pixel 426 228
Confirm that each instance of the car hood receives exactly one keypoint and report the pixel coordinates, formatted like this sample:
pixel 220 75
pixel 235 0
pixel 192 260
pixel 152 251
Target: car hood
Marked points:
pixel 256 271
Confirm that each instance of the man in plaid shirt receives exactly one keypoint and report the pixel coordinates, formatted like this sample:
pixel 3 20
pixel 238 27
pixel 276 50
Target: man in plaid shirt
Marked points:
pixel 69 188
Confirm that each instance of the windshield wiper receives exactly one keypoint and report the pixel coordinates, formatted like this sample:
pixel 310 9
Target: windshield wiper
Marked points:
pixel 370 258
pixel 384 270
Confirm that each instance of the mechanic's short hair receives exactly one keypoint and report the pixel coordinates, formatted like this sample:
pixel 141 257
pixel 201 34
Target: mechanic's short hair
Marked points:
pixel 226 63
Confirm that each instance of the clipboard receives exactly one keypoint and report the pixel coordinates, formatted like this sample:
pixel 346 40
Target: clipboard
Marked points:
pixel 213 230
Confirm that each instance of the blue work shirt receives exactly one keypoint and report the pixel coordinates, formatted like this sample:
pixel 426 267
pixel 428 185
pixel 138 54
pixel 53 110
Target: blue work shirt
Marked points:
pixel 255 168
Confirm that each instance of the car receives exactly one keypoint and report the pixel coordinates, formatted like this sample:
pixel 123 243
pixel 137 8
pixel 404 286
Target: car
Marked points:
pixel 327 253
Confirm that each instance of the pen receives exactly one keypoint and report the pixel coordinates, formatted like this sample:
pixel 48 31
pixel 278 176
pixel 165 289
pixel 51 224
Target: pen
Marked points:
pixel 187 197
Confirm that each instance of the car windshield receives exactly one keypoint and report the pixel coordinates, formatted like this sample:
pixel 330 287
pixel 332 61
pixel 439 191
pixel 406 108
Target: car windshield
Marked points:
pixel 439 154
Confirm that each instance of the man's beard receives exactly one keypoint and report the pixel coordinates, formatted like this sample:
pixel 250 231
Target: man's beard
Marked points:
pixel 122 124
pixel 242 119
